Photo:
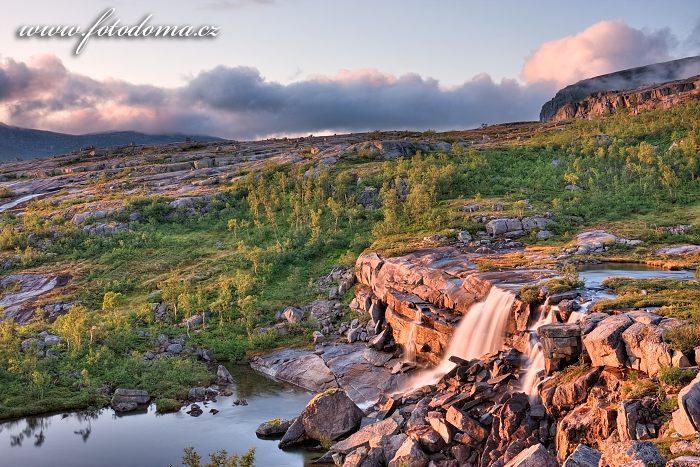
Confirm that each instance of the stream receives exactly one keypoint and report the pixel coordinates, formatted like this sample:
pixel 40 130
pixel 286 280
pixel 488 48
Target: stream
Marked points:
pixel 151 440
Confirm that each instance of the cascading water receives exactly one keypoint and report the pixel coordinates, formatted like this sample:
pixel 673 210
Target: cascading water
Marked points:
pixel 481 331
pixel 536 356
pixel 409 350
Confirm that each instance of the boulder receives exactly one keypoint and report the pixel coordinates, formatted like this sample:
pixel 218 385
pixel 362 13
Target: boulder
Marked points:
pixel 646 349
pixel 604 343
pixel 127 400
pixel 369 434
pixel 197 394
pixel 686 420
pixel 409 455
pixel 583 456
pixel 223 376
pixel 534 456
pixel 275 428
pixel 464 423
pixel 630 421
pixel 464 236
pixel 561 345
pixel 330 415
pixel 642 452
pixel 293 315
pixel 295 435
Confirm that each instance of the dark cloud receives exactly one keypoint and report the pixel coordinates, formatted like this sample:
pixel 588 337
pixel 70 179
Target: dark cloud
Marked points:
pixel 238 102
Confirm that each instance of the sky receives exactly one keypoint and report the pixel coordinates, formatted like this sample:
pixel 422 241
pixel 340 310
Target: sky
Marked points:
pixel 290 67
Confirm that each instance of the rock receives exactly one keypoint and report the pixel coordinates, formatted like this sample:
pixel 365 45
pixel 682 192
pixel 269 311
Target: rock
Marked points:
pixel 464 236
pixel 646 349
pixel 293 315
pixel 629 416
pixel 439 424
pixel 32 343
pixel 195 410
pixel 684 461
pixel 369 198
pixel 534 456
pixel 174 349
pixel 271 429
pixel 369 434
pixel 685 446
pixel 429 439
pixel 686 420
pixel 604 344
pixel 409 455
pixel 50 339
pixel 463 422
pixel 223 377
pixel 583 456
pixel 197 394
pixel 127 400
pixel 317 337
pixel 295 435
pixel 296 366
pixel 678 250
pixel 617 454
pixel 330 415
pixel 375 357
pixel 561 345
pixel 377 311
pixel 544 235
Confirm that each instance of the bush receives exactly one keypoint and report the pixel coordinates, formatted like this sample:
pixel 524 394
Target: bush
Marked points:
pixel 677 378
pixel 683 338
pixel 167 405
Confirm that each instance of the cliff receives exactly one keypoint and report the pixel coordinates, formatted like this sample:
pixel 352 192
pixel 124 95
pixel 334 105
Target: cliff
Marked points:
pixel 651 86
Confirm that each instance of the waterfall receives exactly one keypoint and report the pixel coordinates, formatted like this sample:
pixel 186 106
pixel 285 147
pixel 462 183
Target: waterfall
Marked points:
pixel 409 350
pixel 480 331
pixel 535 357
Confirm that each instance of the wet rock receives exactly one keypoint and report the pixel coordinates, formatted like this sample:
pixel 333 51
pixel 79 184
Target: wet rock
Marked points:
pixel 295 435
pixel 534 456
pixel 617 454
pixel 604 344
pixel 561 345
pixel 583 456
pixel 686 419
pixel 223 376
pixel 127 400
pixel 296 366
pixel 195 410
pixel 330 415
pixel 273 429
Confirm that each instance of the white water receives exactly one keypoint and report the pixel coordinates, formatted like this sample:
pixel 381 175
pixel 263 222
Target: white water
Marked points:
pixel 480 331
pixel 536 356
pixel 409 350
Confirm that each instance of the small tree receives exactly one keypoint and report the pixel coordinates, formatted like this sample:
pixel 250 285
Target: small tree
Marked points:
pixel 111 301
pixel 72 326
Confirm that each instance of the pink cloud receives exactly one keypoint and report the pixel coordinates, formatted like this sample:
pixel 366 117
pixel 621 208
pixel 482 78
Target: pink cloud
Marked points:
pixel 602 48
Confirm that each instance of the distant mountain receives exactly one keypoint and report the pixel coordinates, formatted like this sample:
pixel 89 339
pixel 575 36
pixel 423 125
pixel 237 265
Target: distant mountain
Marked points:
pixel 26 143
pixel 624 80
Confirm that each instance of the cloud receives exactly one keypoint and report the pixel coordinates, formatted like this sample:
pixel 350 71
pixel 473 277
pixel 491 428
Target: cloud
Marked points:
pixel 604 47
pixel 240 103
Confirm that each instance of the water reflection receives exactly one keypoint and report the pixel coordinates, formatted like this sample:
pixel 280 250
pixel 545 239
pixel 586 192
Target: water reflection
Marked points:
pixel 101 438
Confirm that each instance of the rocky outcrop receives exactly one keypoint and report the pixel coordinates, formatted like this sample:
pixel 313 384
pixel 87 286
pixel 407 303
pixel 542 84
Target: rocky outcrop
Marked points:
pixel 642 453
pixel 561 345
pixel 426 293
pixel 571 101
pixel 514 227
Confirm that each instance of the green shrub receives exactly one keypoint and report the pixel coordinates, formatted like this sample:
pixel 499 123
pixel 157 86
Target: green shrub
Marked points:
pixel 677 378
pixel 683 338
pixel 167 405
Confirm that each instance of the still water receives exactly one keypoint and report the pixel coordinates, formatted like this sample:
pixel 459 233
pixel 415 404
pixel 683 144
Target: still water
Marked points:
pixel 152 440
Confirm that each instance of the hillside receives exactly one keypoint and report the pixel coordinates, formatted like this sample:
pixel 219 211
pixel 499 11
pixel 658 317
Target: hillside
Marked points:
pixel 25 143
pixel 345 264
pixel 620 81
